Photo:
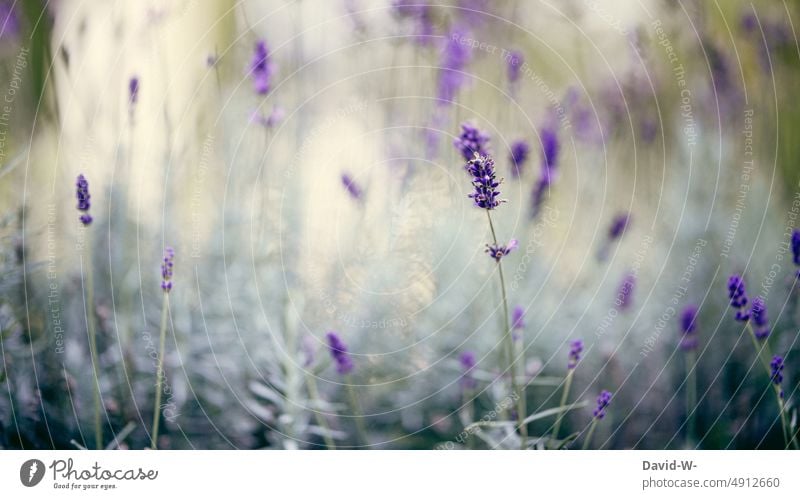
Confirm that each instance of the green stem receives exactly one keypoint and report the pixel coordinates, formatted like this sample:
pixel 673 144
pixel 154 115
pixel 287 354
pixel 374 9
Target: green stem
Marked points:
pixel 314 393
pixel 691 397
pixel 160 371
pixel 564 397
pixel 521 402
pixel 355 407
pixel 98 427
pixel 589 436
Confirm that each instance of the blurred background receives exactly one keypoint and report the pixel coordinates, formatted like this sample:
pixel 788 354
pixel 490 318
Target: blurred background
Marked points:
pixel 298 156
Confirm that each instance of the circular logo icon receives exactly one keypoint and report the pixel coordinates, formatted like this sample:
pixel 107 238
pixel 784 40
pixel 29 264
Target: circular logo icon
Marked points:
pixel 31 472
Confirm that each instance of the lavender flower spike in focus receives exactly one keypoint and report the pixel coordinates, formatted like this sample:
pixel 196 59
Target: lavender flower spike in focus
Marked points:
pixel 484 180
pixel 688 320
pixel 344 365
pixel 166 269
pixel 776 373
pixel 261 68
pixel 738 297
pixel 82 193
pixel 519 155
pixel 760 320
pixel 602 403
pixel 498 251
pixel 575 350
pixel 472 142
pixel 352 188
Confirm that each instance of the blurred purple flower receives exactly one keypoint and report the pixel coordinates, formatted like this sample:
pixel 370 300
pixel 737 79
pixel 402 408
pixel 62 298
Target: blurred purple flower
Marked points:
pixel 758 313
pixel 498 251
pixel 352 187
pixel 796 246
pixel 575 350
pixel 602 403
pixel 344 365
pixel 688 319
pixel 540 188
pixel 261 68
pixel 467 360
pixel 472 141
pixel 166 269
pixel 519 155
pixel 133 90
pixel 515 60
pixel 455 58
pixel 738 297
pixel 422 16
pixel 84 199
pixel 625 292
pixel 618 226
pixel 9 21
pixel 485 194
pixel 517 318
pixel 550 148
pixel 776 373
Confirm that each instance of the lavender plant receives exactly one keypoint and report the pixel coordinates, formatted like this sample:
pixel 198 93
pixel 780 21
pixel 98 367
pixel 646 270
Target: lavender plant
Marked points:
pixel 167 264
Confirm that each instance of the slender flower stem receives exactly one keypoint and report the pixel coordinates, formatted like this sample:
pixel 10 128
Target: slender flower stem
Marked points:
pixel 98 427
pixel 521 402
pixel 564 397
pixel 589 435
pixel 691 397
pixel 314 393
pixel 160 371
pixel 760 351
pixel 355 406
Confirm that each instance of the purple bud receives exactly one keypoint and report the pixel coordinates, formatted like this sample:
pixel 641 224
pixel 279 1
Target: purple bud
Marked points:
pixel 485 194
pixel 261 68
pixel 796 246
pixel 602 403
pixel 82 193
pixel 738 297
pixel 776 372
pixel 758 313
pixel 519 155
pixel 166 269
pixel 517 322
pixel 467 360
pixel 133 90
pixel 498 251
pixel 471 142
pixel 618 226
pixel 688 319
pixel 575 350
pixel 515 61
pixel 341 358
pixel 550 148
pixel 352 188
pixel 625 292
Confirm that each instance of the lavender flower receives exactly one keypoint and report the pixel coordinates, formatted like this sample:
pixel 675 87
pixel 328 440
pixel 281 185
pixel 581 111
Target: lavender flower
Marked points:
pixel 352 188
pixel 517 322
pixel 83 196
pixel 9 21
pixel 602 403
pixel 261 68
pixel 515 60
pixel 796 246
pixel 776 374
pixel 519 155
pixel 688 319
pixel 455 58
pixel 485 195
pixel 467 360
pixel 471 142
pixel 344 365
pixel 539 190
pixel 133 90
pixel 760 320
pixel 550 148
pixel 575 350
pixel 625 292
pixel 166 269
pixel 738 297
pixel 618 226
pixel 498 251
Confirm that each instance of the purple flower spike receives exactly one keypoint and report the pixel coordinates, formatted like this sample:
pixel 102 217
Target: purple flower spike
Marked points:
pixel 760 320
pixel 467 360
pixel 82 193
pixel 518 318
pixel 166 269
pixel 796 246
pixel 515 61
pixel 575 350
pixel 498 251
pixel 550 148
pixel 352 188
pixel 344 365
pixel 625 292
pixel 618 226
pixel 519 155
pixel 133 90
pixel 738 297
pixel 485 195
pixel 688 320
pixel 602 403
pixel 776 375
pixel 261 68
pixel 451 68
pixel 471 142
